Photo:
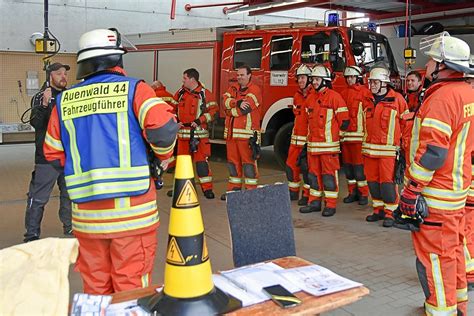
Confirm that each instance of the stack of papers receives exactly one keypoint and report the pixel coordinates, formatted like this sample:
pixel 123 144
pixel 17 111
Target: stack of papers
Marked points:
pixel 246 283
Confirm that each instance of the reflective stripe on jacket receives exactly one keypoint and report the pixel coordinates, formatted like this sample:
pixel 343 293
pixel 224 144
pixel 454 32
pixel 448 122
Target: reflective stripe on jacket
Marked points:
pixel 383 125
pixel 355 96
pixel 240 125
pixel 441 145
pixel 190 108
pixel 326 112
pixel 95 117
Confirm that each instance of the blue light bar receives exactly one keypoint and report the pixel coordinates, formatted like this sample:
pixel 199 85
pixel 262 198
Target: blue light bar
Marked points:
pixel 333 19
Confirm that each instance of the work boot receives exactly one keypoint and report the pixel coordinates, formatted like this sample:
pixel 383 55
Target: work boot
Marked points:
pixel 169 193
pixel 294 195
pixel 363 200
pixel 352 197
pixel 32 238
pixel 209 194
pixel 470 286
pixel 303 201
pixel 223 197
pixel 314 206
pixel 388 222
pixel 68 232
pixel 375 217
pixel 329 211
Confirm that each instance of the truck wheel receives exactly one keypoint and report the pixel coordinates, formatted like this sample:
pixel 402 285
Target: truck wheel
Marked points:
pixel 281 143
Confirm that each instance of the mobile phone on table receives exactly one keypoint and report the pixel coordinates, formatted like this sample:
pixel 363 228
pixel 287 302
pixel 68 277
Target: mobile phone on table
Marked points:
pixel 281 296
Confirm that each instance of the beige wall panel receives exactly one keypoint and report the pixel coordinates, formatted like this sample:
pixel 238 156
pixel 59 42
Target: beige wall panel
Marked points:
pixel 172 63
pixel 139 65
pixel 14 67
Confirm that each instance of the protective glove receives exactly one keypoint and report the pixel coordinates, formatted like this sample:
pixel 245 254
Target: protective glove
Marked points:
pixel 408 198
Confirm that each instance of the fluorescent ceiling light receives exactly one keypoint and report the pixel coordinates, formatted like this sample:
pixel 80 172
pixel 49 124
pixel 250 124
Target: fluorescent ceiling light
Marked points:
pixel 269 5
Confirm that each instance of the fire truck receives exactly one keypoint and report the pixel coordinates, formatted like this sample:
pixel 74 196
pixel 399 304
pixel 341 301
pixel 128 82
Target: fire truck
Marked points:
pixel 273 52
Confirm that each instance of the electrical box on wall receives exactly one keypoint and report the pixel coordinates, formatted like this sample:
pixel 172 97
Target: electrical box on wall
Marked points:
pixel 32 83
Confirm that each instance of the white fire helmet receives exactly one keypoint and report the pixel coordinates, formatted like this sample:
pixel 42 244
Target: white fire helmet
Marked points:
pixel 381 74
pixel 100 42
pixel 353 71
pixel 303 70
pixel 452 51
pixel 470 74
pixel 322 72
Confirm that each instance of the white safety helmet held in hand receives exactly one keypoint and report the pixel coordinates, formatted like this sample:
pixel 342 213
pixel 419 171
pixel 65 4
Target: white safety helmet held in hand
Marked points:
pixel 381 74
pixel 303 70
pixel 452 51
pixel 353 71
pixel 322 72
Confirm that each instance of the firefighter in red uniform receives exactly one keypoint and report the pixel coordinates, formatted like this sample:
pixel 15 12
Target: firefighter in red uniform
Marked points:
pixel 413 97
pixel 242 131
pixel 327 116
pixel 440 171
pixel 469 239
pixel 296 163
pixel 196 108
pixel 165 95
pixel 98 131
pixel 352 160
pixel 381 143
pixel 414 89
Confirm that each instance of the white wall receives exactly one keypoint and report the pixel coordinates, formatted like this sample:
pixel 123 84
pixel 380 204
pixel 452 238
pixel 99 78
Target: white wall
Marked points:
pixel 68 19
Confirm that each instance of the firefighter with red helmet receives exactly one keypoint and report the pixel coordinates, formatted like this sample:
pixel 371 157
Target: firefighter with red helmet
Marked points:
pixel 196 108
pixel 381 144
pixel 327 116
pixel 296 162
pixel 352 160
pixel 242 130
pixel 440 172
pixel 100 131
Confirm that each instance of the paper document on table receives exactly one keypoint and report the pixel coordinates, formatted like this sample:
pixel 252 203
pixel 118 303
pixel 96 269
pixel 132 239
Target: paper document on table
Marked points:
pixel 317 280
pixel 252 279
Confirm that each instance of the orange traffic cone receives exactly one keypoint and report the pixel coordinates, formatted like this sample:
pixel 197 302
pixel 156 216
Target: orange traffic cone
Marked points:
pixel 188 288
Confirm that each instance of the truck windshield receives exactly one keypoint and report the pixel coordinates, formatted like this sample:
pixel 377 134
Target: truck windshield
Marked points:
pixel 370 49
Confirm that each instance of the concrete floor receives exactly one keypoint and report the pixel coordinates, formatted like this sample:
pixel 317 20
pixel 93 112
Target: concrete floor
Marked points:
pixel 380 258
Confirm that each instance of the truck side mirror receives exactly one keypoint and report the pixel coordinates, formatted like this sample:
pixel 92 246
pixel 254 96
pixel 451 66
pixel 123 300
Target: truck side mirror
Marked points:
pixel 333 46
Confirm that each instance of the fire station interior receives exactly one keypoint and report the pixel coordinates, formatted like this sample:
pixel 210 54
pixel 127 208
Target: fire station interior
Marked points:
pixel 380 258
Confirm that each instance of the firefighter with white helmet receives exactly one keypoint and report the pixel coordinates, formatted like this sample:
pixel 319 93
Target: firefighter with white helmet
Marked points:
pixel 296 162
pixel 327 116
pixel 381 143
pixel 351 143
pixel 100 131
pixel 440 170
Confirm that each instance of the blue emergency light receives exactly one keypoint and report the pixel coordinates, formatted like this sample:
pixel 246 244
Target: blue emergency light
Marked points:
pixel 333 19
pixel 372 26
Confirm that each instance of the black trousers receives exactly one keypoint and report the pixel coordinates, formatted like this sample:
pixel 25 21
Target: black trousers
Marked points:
pixel 42 182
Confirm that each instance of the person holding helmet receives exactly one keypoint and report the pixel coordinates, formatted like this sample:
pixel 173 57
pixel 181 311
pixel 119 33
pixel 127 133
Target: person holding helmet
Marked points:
pixel 353 164
pixel 327 116
pixel 242 125
pixel 440 171
pixel 381 143
pixel 100 130
pixel 296 163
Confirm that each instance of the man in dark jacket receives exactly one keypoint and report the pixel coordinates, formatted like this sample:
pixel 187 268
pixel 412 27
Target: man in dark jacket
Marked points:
pixel 45 175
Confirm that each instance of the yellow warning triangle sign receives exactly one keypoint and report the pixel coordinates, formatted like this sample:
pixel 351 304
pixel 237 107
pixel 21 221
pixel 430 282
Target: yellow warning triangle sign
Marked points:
pixel 205 254
pixel 187 196
pixel 174 255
